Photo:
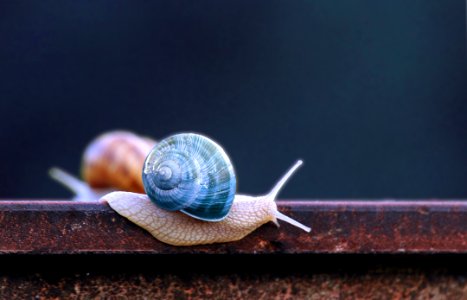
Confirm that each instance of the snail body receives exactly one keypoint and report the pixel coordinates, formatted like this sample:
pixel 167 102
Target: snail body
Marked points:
pixel 247 213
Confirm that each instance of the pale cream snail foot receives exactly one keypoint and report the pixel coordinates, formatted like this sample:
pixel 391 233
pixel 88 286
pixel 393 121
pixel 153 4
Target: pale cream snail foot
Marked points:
pixel 246 214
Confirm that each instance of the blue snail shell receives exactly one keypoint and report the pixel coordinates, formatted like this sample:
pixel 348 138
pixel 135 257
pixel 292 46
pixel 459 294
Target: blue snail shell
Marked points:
pixel 190 173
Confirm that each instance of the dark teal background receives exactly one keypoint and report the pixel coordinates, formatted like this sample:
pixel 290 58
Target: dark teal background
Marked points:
pixel 371 94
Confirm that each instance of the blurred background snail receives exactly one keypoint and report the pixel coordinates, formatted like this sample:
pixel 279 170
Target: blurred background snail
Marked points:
pixel 190 197
pixel 112 161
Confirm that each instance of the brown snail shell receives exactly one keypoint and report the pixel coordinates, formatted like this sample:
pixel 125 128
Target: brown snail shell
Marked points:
pixel 115 160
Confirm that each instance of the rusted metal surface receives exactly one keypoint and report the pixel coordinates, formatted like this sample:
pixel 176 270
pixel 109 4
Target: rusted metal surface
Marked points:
pixel 300 276
pixel 168 286
pixel 66 227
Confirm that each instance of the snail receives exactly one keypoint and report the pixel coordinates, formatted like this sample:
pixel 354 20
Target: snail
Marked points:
pixel 112 161
pixel 190 197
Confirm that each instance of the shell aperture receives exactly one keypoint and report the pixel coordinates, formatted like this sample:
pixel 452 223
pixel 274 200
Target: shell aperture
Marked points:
pixel 191 173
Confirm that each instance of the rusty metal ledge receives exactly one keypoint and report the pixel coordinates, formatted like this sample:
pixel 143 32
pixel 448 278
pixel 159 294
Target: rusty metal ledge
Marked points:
pixel 353 227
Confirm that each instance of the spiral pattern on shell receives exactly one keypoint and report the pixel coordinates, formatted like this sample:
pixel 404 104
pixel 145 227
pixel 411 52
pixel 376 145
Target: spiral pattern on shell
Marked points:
pixel 191 173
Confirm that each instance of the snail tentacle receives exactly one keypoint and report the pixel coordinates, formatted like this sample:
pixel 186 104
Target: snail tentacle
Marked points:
pixel 271 196
pixel 82 191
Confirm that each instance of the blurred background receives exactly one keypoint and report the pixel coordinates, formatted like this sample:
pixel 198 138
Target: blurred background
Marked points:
pixel 371 94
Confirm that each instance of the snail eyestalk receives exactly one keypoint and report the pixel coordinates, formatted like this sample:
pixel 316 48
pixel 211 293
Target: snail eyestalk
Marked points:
pixel 276 189
pixel 280 184
pixel 82 191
